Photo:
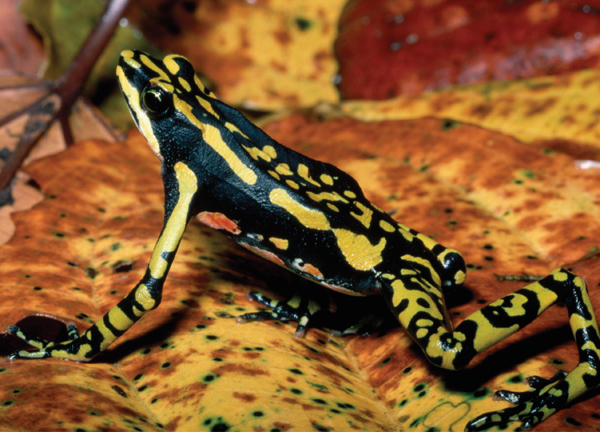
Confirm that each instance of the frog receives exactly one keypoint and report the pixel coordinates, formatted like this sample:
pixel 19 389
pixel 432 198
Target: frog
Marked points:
pixel 313 219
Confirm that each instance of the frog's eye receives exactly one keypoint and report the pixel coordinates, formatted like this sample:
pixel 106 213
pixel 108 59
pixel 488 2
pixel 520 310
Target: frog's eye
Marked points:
pixel 156 101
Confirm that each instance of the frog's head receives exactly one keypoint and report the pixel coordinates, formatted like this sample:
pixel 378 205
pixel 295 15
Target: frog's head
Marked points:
pixel 167 101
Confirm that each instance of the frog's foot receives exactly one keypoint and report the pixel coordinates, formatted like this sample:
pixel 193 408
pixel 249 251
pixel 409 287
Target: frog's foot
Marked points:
pixel 535 382
pixel 545 397
pixel 296 309
pixel 67 350
pixel 365 326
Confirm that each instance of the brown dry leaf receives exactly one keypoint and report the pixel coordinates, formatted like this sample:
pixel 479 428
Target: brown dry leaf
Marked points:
pixel 188 366
pixel 284 48
pixel 546 110
pixel 20 49
pixel 27 107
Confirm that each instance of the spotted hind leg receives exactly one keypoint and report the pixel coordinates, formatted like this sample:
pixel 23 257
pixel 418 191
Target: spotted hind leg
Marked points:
pixel 497 321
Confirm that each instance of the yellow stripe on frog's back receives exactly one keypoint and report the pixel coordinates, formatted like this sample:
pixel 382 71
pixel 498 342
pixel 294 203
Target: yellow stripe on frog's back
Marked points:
pixel 212 136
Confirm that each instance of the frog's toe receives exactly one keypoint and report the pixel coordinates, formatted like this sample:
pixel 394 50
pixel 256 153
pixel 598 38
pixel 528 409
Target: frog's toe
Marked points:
pixel 364 327
pixel 296 309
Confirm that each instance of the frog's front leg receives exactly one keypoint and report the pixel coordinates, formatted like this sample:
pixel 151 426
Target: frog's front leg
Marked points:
pixel 497 321
pixel 144 297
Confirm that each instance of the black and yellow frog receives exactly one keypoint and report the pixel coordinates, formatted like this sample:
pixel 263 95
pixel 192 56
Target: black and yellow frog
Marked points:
pixel 313 219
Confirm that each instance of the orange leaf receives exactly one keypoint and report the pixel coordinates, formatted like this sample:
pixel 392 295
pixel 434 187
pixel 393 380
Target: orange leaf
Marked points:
pixel 189 366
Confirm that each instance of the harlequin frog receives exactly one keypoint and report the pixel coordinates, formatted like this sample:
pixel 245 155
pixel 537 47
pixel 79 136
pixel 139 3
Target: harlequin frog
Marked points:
pixel 313 219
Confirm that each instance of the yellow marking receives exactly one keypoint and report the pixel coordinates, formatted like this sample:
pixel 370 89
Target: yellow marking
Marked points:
pixel 460 277
pixel 151 65
pixel 118 319
pixel 428 241
pixel 128 56
pixel 166 86
pixel 488 335
pixel 404 227
pixel 171 64
pixel 175 226
pixel 283 169
pixel 270 150
pixel 212 137
pixel 425 263
pixel 133 100
pixel 312 219
pixel 431 290
pixel 365 217
pixel 279 243
pixel 386 226
pixel 388 276
pixel 207 106
pixel 326 196
pixel 516 310
pixel 203 88
pixel 560 276
pixel 255 152
pixel 358 250
pixel 399 289
pixel 421 333
pixel 408 236
pixel 325 178
pixel 234 128
pixel 332 207
pixel 186 85
pixel 293 184
pixel 350 194
pixel 304 172
pixel 274 174
pixel 424 323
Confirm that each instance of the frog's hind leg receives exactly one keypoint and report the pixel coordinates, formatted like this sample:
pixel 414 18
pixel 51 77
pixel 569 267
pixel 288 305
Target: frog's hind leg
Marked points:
pixel 500 319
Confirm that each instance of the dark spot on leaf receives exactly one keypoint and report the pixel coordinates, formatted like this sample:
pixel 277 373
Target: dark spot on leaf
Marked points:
pixel 572 421
pixel 482 392
pixel 122 266
pixel 303 24
pixel 448 124
pixel 516 379
pixel 385 361
pixel 91 272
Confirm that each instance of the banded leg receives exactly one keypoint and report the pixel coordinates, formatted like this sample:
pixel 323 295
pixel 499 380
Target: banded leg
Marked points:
pixel 500 319
pixel 144 297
